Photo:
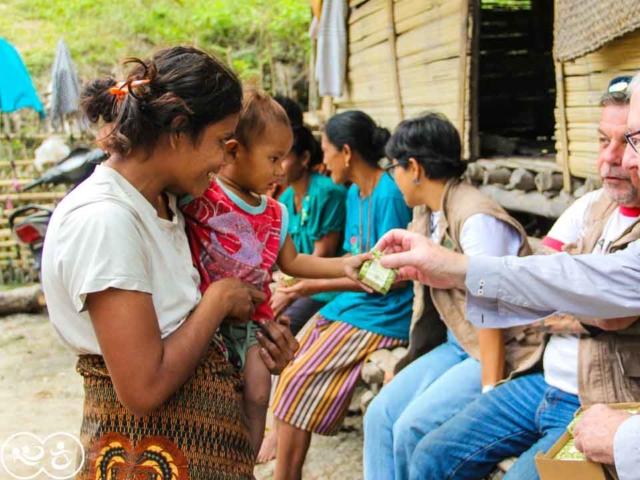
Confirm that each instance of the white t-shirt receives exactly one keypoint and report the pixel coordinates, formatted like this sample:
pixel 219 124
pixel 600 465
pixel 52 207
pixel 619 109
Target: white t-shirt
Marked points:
pixel 561 354
pixel 105 234
pixel 482 234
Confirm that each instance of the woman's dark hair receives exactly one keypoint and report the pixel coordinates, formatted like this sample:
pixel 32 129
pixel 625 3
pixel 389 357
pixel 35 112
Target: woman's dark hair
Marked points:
pixel 293 109
pixel 182 89
pixel 360 132
pixel 304 141
pixel 433 141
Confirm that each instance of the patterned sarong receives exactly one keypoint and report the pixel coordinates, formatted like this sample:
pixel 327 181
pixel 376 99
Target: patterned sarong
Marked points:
pixel 314 391
pixel 197 434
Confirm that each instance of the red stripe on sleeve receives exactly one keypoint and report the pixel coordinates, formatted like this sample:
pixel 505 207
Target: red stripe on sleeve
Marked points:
pixel 552 243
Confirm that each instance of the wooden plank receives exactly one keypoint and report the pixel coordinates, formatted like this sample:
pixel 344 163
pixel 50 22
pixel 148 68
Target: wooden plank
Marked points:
pixel 368 42
pixel 34 197
pixel 582 115
pixel 368 8
pixel 406 9
pixel 464 74
pixel 368 26
pixel 394 58
pixel 619 54
pixel 445 30
pixel 431 55
pixel 564 140
pixel 6 164
pixel 430 16
pixel 376 54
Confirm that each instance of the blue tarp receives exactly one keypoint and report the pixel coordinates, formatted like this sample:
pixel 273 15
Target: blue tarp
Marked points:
pixel 16 88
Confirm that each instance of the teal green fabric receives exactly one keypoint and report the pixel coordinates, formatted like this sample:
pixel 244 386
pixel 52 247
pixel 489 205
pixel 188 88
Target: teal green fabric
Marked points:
pixel 389 314
pixel 238 339
pixel 16 88
pixel 323 211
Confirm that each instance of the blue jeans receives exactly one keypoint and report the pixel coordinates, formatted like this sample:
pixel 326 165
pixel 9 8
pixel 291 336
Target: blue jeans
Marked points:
pixel 424 395
pixel 522 417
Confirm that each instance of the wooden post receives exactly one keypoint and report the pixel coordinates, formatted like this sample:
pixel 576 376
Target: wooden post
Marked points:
pixel 394 58
pixel 474 81
pixel 328 108
pixel 462 83
pixel 564 137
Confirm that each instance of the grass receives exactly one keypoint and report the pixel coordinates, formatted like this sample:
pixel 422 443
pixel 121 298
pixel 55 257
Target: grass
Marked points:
pixel 100 33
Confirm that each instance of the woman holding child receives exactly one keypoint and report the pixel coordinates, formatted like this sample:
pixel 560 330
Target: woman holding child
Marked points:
pixel 123 294
pixel 449 361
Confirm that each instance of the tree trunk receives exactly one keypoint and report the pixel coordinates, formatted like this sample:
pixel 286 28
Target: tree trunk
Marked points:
pixel 22 300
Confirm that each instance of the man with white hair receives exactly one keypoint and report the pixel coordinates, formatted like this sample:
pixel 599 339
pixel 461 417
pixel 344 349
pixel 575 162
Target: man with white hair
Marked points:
pixel 512 291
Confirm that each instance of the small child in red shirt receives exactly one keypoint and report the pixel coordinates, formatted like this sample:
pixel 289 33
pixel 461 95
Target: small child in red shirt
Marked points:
pixel 235 230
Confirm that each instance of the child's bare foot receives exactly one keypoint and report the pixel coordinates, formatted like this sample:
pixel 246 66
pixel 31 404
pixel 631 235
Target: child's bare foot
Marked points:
pixel 269 447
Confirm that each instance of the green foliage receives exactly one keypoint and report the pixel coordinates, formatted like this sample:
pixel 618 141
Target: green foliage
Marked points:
pixel 252 33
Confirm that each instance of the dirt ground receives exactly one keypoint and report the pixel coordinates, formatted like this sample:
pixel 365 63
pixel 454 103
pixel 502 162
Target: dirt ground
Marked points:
pixel 41 393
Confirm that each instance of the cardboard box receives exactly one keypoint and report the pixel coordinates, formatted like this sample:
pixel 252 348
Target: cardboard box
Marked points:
pixel 550 468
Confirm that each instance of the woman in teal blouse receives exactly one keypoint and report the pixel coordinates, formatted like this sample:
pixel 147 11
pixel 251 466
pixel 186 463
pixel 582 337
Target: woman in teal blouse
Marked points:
pixel 316 208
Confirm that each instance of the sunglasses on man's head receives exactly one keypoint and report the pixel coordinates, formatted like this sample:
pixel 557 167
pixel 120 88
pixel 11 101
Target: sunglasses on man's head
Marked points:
pixel 619 84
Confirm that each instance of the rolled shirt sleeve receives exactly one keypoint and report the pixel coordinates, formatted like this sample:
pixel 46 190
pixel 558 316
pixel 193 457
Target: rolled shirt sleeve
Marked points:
pixel 510 291
pixel 626 449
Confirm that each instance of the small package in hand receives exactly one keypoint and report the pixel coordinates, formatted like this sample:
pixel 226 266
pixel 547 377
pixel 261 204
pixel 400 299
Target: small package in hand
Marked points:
pixel 288 281
pixel 373 274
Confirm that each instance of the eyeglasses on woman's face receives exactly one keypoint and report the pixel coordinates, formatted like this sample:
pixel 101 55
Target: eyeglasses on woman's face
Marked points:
pixel 390 169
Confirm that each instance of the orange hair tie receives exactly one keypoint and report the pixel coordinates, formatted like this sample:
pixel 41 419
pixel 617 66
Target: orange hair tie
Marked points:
pixel 122 88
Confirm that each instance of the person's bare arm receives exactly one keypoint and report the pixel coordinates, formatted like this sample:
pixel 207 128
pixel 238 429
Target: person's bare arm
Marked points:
pixel 560 323
pixel 146 369
pixel 299 265
pixel 492 355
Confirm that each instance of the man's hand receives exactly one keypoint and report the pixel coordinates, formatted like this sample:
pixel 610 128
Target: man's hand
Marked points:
pixel 420 259
pixel 595 432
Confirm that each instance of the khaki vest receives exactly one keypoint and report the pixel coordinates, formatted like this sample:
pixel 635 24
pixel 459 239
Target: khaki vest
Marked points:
pixel 609 363
pixel 461 201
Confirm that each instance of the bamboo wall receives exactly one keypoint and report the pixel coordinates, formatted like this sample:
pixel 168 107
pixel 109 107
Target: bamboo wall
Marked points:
pixel 427 45
pixel 585 79
pixel 15 259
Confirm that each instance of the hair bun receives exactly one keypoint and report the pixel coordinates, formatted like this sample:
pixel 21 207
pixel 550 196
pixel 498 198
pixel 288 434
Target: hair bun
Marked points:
pixel 380 138
pixel 97 102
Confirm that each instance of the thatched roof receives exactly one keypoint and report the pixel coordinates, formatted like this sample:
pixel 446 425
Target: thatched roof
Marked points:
pixel 582 26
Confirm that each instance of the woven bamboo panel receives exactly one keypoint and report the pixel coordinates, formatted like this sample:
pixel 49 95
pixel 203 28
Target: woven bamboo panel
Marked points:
pixel 586 79
pixel 427 49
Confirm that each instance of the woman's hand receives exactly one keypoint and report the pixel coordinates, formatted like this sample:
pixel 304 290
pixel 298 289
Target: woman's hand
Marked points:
pixel 278 346
pixel 236 298
pixel 352 265
pixel 280 301
pixel 420 259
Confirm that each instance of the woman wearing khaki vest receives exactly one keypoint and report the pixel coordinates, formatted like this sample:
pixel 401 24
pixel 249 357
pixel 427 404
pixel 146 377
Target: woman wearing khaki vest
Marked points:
pixel 465 362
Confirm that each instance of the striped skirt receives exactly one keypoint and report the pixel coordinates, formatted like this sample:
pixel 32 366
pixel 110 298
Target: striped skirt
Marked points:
pixel 197 434
pixel 314 391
